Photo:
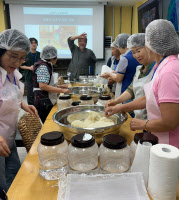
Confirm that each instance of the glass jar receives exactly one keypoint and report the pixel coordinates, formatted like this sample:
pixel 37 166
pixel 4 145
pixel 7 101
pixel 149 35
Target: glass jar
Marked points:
pixel 86 100
pixel 83 153
pixel 114 154
pixel 103 99
pixel 53 155
pixel 64 101
pixel 142 137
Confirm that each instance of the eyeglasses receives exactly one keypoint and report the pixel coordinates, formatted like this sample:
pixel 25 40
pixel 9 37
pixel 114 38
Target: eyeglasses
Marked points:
pixel 16 59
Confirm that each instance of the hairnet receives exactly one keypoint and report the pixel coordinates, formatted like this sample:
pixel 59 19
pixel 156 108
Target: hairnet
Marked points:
pixel 12 39
pixel 136 40
pixel 161 38
pixel 113 44
pixel 121 40
pixel 48 52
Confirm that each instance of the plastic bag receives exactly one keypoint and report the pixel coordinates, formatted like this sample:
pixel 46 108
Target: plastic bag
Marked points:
pixel 128 186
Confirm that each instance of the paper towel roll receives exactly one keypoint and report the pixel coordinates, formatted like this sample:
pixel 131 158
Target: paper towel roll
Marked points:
pixel 163 172
pixel 141 160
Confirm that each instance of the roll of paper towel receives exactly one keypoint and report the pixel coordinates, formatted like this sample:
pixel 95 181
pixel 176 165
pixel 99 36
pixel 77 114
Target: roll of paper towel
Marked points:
pixel 163 172
pixel 141 160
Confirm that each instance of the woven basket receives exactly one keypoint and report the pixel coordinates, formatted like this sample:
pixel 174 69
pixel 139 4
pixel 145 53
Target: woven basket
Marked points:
pixel 29 127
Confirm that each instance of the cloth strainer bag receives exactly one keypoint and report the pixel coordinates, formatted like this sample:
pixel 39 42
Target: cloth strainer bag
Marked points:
pixel 128 186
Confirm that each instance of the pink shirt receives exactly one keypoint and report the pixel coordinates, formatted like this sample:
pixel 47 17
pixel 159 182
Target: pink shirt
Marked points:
pixel 166 85
pixel 166 89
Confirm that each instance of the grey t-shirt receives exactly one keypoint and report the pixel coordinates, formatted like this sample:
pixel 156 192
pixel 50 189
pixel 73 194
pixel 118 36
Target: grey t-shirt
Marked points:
pixel 81 60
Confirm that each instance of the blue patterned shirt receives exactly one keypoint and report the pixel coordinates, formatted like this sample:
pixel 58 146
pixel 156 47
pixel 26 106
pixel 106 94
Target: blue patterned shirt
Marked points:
pixel 43 75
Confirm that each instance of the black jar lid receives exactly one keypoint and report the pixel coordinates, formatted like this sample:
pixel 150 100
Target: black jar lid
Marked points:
pixel 104 97
pixel 76 103
pixel 52 138
pixel 113 141
pixel 83 140
pixel 64 97
pixel 110 86
pixel 85 97
pixel 145 137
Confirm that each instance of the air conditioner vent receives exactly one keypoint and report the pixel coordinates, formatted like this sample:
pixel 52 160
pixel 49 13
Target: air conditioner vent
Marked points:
pixel 107 41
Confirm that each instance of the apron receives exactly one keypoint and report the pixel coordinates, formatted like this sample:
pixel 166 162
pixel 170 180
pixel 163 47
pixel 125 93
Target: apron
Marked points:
pixel 113 67
pixel 53 82
pixel 138 89
pixel 9 110
pixel 118 90
pixel 118 87
pixel 153 110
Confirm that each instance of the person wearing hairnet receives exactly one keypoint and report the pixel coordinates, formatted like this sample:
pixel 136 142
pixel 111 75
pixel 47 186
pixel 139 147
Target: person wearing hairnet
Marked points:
pixel 114 59
pixel 14 47
pixel 144 72
pixel 113 62
pixel 161 93
pixel 126 67
pixel 82 57
pixel 44 81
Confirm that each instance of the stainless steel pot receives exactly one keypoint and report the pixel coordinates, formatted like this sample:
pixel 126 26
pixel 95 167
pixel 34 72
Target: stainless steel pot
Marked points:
pixel 95 92
pixel 60 117
pixel 84 81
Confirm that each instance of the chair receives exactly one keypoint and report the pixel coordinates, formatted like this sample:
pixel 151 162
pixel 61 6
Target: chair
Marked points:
pixel 29 127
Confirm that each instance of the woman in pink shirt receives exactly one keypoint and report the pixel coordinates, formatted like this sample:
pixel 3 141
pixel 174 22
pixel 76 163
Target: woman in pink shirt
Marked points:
pixel 162 92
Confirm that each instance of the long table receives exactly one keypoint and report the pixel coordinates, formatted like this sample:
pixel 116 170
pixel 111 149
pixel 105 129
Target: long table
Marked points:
pixel 29 185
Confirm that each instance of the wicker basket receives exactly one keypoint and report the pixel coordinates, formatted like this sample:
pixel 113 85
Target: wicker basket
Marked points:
pixel 29 127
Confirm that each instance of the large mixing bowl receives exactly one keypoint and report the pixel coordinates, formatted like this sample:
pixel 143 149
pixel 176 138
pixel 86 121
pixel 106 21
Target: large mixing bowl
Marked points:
pixel 95 92
pixel 83 81
pixel 81 112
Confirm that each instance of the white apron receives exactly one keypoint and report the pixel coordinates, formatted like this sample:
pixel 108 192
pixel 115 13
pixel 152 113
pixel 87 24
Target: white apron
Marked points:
pixel 118 87
pixel 138 89
pixel 9 110
pixel 53 82
pixel 113 67
pixel 112 62
pixel 153 110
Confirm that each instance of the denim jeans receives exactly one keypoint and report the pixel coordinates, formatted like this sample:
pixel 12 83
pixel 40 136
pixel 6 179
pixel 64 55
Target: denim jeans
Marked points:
pixel 132 114
pixel 9 166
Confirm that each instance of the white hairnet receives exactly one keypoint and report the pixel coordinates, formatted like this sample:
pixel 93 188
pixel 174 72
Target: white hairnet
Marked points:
pixel 121 40
pixel 12 39
pixel 136 40
pixel 48 52
pixel 161 38
pixel 113 44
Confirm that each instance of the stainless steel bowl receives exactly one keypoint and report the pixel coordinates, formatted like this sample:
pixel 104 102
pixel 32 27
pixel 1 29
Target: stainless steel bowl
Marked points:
pixel 95 92
pixel 83 79
pixel 60 117
pixel 79 84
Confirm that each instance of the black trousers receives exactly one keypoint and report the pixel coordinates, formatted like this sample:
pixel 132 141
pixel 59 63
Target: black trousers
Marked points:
pixel 42 104
pixel 30 94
